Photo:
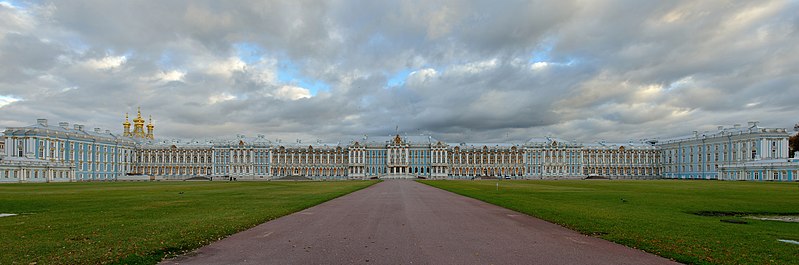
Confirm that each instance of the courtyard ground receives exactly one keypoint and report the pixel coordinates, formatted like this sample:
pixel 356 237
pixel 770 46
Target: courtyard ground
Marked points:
pixel 405 222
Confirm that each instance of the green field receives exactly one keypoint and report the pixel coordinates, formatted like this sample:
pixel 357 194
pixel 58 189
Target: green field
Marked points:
pixel 140 223
pixel 680 220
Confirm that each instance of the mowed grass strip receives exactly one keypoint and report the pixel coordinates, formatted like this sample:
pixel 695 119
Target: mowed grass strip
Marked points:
pixel 140 223
pixel 660 216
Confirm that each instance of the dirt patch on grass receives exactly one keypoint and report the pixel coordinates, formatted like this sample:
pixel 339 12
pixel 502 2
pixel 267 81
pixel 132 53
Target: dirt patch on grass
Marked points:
pixel 743 214
pixel 720 213
pixel 734 221
pixel 779 218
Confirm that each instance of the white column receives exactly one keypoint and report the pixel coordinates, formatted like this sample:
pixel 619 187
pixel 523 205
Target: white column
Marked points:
pixel 785 150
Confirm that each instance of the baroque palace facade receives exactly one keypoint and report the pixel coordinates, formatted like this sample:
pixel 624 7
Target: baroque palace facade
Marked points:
pixel 48 153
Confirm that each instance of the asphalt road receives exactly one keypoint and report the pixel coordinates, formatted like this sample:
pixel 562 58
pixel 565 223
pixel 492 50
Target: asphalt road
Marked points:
pixel 404 222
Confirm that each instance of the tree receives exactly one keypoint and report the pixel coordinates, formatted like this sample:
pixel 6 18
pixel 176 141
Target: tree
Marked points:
pixel 793 143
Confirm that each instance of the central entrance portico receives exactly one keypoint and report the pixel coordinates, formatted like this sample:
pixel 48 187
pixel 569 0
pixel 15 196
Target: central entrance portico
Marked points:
pixel 398 176
pixel 398 160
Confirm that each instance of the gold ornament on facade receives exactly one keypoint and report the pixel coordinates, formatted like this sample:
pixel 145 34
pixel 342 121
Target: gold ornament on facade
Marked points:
pixel 126 126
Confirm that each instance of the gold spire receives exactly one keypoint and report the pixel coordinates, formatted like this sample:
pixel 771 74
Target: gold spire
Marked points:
pixel 138 118
pixel 150 127
pixel 126 126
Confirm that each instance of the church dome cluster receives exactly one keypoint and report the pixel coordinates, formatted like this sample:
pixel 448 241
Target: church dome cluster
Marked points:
pixel 138 127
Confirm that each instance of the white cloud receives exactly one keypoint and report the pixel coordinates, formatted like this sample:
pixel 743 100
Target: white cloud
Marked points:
pixel 418 77
pixel 292 92
pixel 6 99
pixel 221 97
pixel 168 76
pixel 224 67
pixel 106 63
pixel 14 20
pixel 475 67
pixel 539 65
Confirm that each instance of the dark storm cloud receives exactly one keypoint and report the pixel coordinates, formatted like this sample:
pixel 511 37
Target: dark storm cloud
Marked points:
pixel 477 70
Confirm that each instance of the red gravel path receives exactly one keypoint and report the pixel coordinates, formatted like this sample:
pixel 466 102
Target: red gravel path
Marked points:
pixel 404 222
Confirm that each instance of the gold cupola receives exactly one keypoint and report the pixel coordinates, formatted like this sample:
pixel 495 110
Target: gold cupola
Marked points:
pixel 126 126
pixel 150 128
pixel 138 125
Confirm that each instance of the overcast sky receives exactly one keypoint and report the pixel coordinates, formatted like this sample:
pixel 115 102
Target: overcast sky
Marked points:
pixel 481 71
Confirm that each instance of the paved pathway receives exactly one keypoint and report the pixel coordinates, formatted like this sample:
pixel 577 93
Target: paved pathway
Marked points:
pixel 404 222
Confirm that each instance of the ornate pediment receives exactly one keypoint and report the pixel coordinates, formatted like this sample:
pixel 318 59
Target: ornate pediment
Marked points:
pixel 397 139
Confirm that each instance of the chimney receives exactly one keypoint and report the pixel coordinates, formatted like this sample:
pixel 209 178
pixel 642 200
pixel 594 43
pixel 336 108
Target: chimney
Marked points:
pixel 78 127
pixel 721 128
pixel 753 124
pixel 737 126
pixel 64 125
pixel 42 122
pixel 107 131
pixel 696 133
pixel 97 130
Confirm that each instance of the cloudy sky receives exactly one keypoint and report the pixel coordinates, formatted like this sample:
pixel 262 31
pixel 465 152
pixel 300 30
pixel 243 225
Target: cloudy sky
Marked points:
pixel 457 70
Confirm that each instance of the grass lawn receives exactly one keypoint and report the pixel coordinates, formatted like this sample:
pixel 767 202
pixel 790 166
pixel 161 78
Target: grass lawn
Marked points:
pixel 660 216
pixel 140 223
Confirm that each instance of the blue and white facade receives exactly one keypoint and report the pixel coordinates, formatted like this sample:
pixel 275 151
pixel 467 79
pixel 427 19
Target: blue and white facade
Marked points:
pixel 621 160
pixel 700 155
pixel 762 170
pixel 548 158
pixel 47 153
pixel 486 160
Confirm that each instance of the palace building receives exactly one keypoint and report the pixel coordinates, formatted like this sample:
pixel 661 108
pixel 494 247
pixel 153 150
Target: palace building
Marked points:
pixel 48 153
pixel 701 155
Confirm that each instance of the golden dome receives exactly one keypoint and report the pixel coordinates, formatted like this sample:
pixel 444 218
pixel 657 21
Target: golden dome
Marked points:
pixel 126 123
pixel 138 118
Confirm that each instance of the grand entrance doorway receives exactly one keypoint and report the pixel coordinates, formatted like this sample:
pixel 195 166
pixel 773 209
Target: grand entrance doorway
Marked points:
pixel 401 172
